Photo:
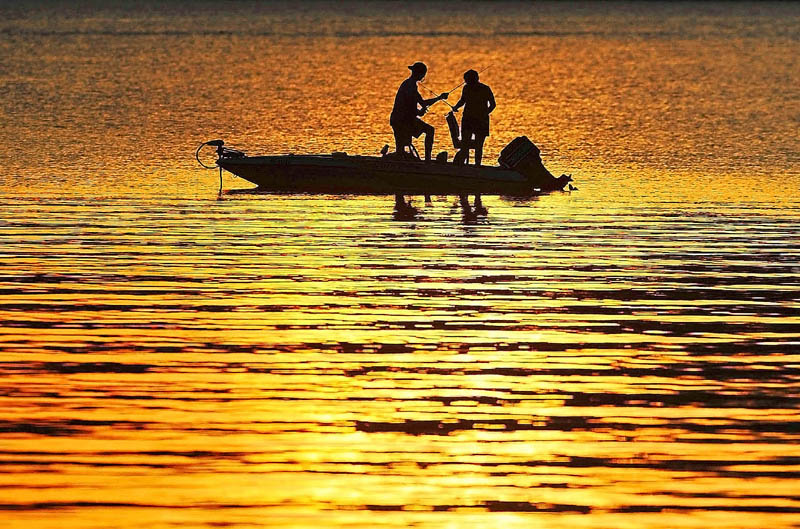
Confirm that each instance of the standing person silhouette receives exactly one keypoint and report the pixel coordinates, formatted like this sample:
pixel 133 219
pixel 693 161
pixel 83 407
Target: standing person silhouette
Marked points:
pixel 408 105
pixel 478 102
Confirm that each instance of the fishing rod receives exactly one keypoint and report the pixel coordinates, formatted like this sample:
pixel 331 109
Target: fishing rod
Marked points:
pixel 434 93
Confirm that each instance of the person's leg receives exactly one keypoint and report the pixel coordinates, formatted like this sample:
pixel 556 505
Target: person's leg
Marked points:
pixel 479 139
pixel 398 141
pixel 460 157
pixel 467 142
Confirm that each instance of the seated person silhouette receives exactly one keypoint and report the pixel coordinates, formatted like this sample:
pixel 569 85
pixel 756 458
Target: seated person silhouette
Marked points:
pixel 408 106
pixel 478 102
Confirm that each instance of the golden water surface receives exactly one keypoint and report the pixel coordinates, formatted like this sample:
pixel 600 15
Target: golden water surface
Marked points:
pixel 626 355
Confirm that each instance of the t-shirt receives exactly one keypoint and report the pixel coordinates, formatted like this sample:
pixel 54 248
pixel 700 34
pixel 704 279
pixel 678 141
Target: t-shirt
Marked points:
pixel 405 102
pixel 476 100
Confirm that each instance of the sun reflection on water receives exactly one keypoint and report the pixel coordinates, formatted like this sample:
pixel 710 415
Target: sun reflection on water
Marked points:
pixel 620 356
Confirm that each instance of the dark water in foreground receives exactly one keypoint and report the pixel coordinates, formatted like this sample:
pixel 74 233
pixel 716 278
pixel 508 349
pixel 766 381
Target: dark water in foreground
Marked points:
pixel 624 356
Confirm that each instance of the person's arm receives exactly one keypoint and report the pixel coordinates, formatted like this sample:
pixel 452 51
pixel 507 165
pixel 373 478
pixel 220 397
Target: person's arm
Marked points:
pixel 460 103
pixel 420 103
pixel 492 104
pixel 418 98
pixel 429 102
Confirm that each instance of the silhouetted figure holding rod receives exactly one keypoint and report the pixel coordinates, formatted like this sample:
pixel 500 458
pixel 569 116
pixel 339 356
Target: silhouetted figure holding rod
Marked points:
pixel 478 102
pixel 408 106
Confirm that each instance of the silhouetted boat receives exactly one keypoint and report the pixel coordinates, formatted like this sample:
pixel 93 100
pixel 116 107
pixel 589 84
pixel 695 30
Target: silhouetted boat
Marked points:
pixel 520 173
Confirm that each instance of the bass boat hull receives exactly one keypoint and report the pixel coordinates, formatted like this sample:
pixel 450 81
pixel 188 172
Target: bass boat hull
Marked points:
pixel 369 175
pixel 521 173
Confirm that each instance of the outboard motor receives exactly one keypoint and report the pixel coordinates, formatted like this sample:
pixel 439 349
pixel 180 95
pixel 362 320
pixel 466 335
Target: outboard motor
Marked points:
pixel 523 156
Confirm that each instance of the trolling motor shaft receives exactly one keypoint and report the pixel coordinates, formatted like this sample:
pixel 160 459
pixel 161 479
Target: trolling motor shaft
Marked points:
pixel 222 153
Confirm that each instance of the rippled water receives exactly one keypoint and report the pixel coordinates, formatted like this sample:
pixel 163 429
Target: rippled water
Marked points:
pixel 625 355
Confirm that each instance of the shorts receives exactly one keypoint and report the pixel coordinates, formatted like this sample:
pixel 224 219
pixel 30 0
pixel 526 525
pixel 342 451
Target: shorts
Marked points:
pixel 474 125
pixel 404 132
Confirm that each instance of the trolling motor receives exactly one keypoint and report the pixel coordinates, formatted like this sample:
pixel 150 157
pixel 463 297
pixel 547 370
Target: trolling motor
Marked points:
pixel 222 153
